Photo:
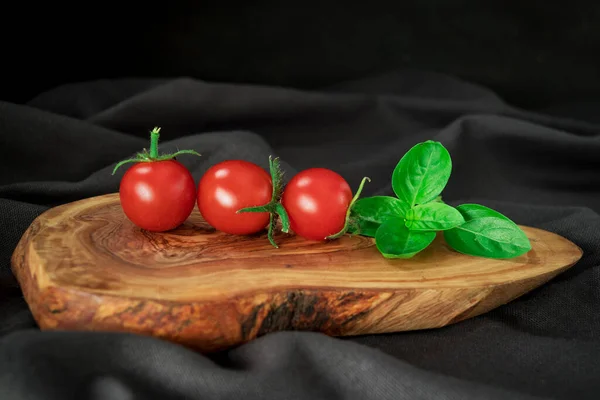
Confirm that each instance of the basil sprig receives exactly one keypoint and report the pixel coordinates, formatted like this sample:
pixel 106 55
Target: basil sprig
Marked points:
pixel 407 224
pixel 487 233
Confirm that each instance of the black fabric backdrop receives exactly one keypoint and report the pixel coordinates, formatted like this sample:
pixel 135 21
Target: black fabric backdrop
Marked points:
pixel 540 170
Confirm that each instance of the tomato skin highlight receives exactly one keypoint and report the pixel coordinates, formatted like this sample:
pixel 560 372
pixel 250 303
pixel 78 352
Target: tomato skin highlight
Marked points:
pixel 316 201
pixel 230 186
pixel 157 196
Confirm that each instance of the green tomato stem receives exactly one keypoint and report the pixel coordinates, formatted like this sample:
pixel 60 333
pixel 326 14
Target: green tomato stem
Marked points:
pixel 154 135
pixel 348 223
pixel 153 155
pixel 274 207
pixel 285 219
pixel 121 163
pixel 271 229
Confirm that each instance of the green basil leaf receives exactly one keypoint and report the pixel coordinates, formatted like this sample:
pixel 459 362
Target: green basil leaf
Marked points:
pixel 377 208
pixel 474 211
pixel 422 173
pixel 438 199
pixel 394 240
pixel 433 217
pixel 370 212
pixel 490 237
pixel 364 228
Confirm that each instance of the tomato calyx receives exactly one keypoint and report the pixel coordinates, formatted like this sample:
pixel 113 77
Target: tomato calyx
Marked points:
pixel 153 155
pixel 274 207
pixel 349 223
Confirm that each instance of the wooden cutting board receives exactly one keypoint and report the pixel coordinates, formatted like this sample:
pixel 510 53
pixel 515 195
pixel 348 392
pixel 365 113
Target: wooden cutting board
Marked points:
pixel 84 266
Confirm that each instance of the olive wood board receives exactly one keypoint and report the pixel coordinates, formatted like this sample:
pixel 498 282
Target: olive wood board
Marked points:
pixel 84 266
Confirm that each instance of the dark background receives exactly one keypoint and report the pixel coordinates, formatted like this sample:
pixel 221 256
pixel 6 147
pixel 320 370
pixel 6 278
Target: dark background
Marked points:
pixel 538 169
pixel 534 54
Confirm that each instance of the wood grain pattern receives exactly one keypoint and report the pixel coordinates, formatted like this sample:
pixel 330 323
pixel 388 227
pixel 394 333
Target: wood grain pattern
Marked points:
pixel 84 266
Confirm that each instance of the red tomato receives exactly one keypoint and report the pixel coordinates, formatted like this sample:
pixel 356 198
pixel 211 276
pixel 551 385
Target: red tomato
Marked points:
pixel 230 186
pixel 316 201
pixel 157 195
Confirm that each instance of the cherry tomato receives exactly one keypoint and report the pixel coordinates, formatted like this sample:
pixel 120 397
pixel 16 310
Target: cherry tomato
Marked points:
pixel 157 195
pixel 230 186
pixel 316 201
